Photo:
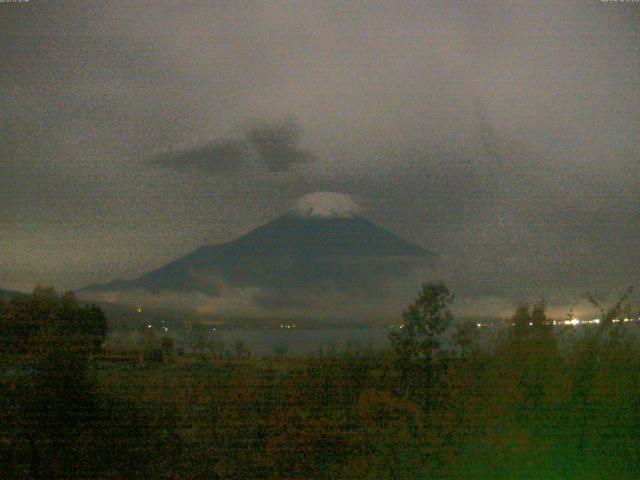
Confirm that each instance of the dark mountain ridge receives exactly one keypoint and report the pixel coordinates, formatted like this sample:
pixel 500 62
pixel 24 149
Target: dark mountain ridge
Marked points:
pixel 9 294
pixel 289 253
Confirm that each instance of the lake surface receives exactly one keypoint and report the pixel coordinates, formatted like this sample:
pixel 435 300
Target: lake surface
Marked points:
pixel 300 342
pixel 296 342
pixel 267 342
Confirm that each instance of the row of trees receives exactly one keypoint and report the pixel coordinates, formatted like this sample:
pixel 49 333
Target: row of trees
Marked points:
pixel 44 320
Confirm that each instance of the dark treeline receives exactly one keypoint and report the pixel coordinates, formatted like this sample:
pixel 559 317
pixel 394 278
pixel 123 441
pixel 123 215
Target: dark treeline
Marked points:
pixel 519 408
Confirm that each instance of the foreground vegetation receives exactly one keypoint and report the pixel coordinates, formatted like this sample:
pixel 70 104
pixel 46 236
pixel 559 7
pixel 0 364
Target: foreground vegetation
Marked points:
pixel 521 408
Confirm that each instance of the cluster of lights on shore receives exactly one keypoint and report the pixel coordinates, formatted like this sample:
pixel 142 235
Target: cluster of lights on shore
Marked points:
pixel 164 327
pixel 574 322
pixel 213 329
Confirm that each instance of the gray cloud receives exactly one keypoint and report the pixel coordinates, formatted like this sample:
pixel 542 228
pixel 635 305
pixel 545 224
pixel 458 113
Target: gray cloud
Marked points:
pixel 274 145
pixel 220 156
pixel 277 144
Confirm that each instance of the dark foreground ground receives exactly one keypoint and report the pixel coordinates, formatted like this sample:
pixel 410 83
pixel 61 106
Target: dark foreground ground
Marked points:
pixel 508 414
pixel 520 407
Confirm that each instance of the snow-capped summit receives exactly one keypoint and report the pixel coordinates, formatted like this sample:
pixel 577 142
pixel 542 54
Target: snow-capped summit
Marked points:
pixel 326 205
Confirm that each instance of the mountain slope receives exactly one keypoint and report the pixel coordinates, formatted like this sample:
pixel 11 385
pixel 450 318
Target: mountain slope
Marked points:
pixel 9 294
pixel 284 258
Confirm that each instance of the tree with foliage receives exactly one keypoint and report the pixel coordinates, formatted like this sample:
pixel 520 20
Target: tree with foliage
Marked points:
pixel 417 343
pixel 608 315
pixel 531 323
pixel 590 355
pixel 51 336
pixel 37 323
pixel 424 321
pixel 55 423
pixel 465 337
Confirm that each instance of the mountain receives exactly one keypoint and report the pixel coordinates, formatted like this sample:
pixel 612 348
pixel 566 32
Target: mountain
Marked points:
pixel 279 261
pixel 9 294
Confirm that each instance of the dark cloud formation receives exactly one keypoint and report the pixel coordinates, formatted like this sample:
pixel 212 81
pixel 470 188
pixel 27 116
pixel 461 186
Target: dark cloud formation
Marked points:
pixel 276 144
pixel 502 136
pixel 272 144
pixel 221 156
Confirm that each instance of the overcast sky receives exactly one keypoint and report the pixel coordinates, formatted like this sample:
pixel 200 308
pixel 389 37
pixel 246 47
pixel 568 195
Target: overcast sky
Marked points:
pixel 502 135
